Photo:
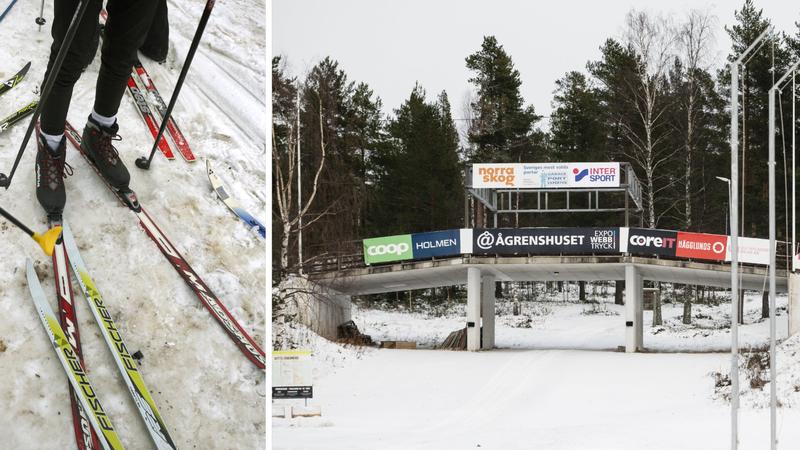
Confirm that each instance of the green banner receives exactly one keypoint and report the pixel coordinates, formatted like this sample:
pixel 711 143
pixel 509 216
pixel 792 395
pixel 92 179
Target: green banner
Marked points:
pixel 387 249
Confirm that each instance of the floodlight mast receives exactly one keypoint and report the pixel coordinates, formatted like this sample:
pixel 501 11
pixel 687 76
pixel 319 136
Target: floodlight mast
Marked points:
pixel 734 211
pixel 773 442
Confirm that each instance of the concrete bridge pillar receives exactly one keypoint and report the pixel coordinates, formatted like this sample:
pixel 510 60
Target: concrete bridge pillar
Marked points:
pixel 487 312
pixel 473 309
pixel 633 309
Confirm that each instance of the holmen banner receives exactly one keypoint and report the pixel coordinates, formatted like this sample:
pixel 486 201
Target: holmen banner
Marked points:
pixel 546 175
pixel 545 241
pixel 436 243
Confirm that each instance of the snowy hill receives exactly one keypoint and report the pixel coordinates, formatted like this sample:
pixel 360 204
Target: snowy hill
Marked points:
pixel 210 395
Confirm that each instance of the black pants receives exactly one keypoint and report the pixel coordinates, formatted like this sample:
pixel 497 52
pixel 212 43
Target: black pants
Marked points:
pixel 126 29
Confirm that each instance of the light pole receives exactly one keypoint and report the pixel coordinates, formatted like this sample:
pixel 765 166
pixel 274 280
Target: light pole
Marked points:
pixel 734 206
pixel 772 319
pixel 728 182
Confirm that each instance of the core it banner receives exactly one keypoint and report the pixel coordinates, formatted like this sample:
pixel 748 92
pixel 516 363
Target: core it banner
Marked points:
pixel 545 241
pixel 701 246
pixel 648 241
pixel 546 175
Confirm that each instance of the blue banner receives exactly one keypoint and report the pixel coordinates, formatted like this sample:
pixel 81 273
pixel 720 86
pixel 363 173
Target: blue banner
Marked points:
pixel 436 243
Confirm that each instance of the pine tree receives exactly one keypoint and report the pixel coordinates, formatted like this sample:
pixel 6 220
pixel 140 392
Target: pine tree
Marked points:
pixel 352 128
pixel 419 183
pixel 577 131
pixel 503 128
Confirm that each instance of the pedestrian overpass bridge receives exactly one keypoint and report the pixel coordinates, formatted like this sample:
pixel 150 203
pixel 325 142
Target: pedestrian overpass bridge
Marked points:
pixel 478 258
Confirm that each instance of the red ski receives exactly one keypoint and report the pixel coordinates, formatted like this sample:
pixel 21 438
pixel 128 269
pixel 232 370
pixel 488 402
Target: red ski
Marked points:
pixel 172 127
pixel 147 115
pixel 235 331
pixel 85 436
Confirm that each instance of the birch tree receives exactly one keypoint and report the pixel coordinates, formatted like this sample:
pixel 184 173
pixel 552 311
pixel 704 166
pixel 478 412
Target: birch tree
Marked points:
pixel 695 37
pixel 651 40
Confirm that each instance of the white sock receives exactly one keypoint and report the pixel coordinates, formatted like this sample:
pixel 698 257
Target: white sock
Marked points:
pixel 103 120
pixel 53 140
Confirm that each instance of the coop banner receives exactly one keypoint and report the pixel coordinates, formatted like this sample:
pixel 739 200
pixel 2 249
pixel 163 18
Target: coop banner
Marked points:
pixel 388 249
pixel 546 175
pixel 545 241
pixel 436 244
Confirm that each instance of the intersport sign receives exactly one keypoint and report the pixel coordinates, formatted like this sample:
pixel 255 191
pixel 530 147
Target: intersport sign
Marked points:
pixel 545 241
pixel 546 175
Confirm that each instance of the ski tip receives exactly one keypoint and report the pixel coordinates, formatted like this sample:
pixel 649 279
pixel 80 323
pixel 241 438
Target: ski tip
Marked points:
pixel 48 240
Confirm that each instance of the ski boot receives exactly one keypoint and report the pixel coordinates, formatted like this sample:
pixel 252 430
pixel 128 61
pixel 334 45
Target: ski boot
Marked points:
pixel 97 145
pixel 51 169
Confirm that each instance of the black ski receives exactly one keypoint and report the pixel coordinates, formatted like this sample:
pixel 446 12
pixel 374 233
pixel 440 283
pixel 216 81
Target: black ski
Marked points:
pixel 13 81
pixel 20 114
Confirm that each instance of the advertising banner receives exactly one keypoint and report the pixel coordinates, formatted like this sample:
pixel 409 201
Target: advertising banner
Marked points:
pixel 545 241
pixel 291 374
pixel 387 249
pixel 701 246
pixel 436 243
pixel 751 251
pixel 647 241
pixel 546 175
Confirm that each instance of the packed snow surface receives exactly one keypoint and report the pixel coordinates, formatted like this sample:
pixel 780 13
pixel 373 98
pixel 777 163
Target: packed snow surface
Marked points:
pixel 554 382
pixel 209 394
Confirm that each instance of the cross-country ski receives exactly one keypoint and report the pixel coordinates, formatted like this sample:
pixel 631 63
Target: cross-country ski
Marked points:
pixel 13 81
pixel 71 363
pixel 119 350
pixel 17 116
pixel 85 436
pixel 231 203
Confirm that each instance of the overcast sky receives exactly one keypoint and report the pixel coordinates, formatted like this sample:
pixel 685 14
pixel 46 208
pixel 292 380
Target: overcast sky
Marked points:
pixel 392 44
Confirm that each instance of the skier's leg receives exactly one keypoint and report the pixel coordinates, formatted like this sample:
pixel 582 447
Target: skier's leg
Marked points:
pixel 126 30
pixel 54 110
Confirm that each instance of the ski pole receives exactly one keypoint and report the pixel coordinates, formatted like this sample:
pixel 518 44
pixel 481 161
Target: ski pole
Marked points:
pixel 5 181
pixel 8 8
pixel 47 240
pixel 40 20
pixel 144 162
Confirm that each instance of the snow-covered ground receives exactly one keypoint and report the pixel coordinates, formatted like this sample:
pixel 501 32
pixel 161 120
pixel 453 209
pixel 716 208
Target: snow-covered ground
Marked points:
pixel 209 394
pixel 554 382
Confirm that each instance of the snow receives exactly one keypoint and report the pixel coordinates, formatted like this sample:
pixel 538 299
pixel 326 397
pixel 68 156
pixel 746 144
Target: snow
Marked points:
pixel 209 394
pixel 555 382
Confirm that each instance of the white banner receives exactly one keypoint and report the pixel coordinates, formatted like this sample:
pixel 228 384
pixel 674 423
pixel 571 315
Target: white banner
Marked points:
pixel 546 175
pixel 751 251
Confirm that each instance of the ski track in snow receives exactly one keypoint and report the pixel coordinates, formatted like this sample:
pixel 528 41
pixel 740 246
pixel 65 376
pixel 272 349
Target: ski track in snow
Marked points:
pixel 209 394
pixel 531 393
